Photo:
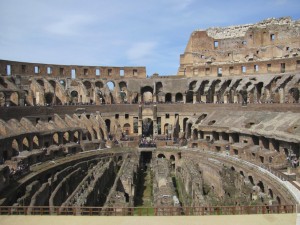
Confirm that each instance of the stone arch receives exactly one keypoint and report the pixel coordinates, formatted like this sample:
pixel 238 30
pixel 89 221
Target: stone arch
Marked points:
pixel 76 136
pixel 261 185
pixel 178 97
pixel 271 195
pixel 250 178
pixel 2 99
pixel 63 83
pixel 168 97
pixel 49 98
pixel 55 138
pixel 294 94
pixel 185 123
pixel 107 123
pixel 259 89
pixel 278 200
pixel 126 128
pixel 74 96
pixel 35 142
pixel 242 173
pixel 53 83
pixel 123 86
pixel 195 134
pixel 14 98
pixel 40 82
pixel 66 137
pixel 192 85
pixel 2 82
pixel 189 97
pixel 166 129
pixel 147 94
pixel 99 84
pixel 15 147
pixel 88 85
pixel 189 130
pixel 25 144
pixel 173 163
pixel 111 85
pixel 159 87
pixel 161 156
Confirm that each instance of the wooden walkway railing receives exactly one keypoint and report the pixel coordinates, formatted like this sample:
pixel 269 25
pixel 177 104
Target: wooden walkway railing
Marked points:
pixel 154 211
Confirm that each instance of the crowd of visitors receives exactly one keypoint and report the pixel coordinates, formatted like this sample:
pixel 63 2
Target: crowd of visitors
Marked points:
pixel 147 143
pixel 20 171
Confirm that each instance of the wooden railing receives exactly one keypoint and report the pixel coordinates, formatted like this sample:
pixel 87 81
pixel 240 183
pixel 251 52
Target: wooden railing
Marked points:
pixel 154 211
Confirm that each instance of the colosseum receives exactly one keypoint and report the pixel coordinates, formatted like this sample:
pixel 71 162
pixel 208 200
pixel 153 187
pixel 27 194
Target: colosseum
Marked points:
pixel 221 137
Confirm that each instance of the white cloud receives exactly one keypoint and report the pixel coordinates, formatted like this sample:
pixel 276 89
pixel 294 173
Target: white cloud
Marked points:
pixel 69 25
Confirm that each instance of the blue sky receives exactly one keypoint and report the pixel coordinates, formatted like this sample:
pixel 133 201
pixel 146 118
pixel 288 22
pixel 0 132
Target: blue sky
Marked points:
pixel 150 33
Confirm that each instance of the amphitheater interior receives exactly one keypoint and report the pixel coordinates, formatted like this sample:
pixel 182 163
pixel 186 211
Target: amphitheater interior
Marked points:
pixel 223 132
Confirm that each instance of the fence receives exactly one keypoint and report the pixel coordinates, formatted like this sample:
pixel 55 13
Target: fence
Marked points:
pixel 151 211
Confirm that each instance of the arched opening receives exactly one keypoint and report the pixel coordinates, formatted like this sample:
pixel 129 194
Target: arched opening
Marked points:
pixel 66 137
pixel 126 128
pixel 294 92
pixel 166 129
pixel 161 156
pixel 74 97
pixel 107 123
pixel 14 99
pixel 53 84
pixel 76 136
pixel 3 83
pixel 159 87
pixel 49 98
pixel 99 84
pixel 178 97
pixel 251 180
pixel 63 83
pixel 259 87
pixel 123 86
pixel 88 87
pixel 110 85
pixel 55 138
pixel 147 127
pixel 270 193
pixel 278 200
pixel 184 123
pixel 25 143
pixel 242 173
pixel 261 185
pixel 172 159
pixel 189 97
pixel 40 82
pixel 35 142
pixel 168 98
pixel 15 147
pixel 192 85
pixel 195 134
pixel 2 99
pixel 147 94
pixel 189 130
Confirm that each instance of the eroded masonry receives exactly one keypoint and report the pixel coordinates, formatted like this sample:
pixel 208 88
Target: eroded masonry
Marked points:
pixel 225 131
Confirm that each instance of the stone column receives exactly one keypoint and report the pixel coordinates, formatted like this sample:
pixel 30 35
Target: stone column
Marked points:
pixel 225 99
pixel 184 98
pixel 194 98
pixel 215 99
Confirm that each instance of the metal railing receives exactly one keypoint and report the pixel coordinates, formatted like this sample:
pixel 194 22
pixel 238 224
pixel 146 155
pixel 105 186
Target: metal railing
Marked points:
pixel 150 211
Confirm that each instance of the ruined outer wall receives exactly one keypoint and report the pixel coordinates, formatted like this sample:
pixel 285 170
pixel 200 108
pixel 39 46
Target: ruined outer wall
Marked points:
pixel 270 46
pixel 65 71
